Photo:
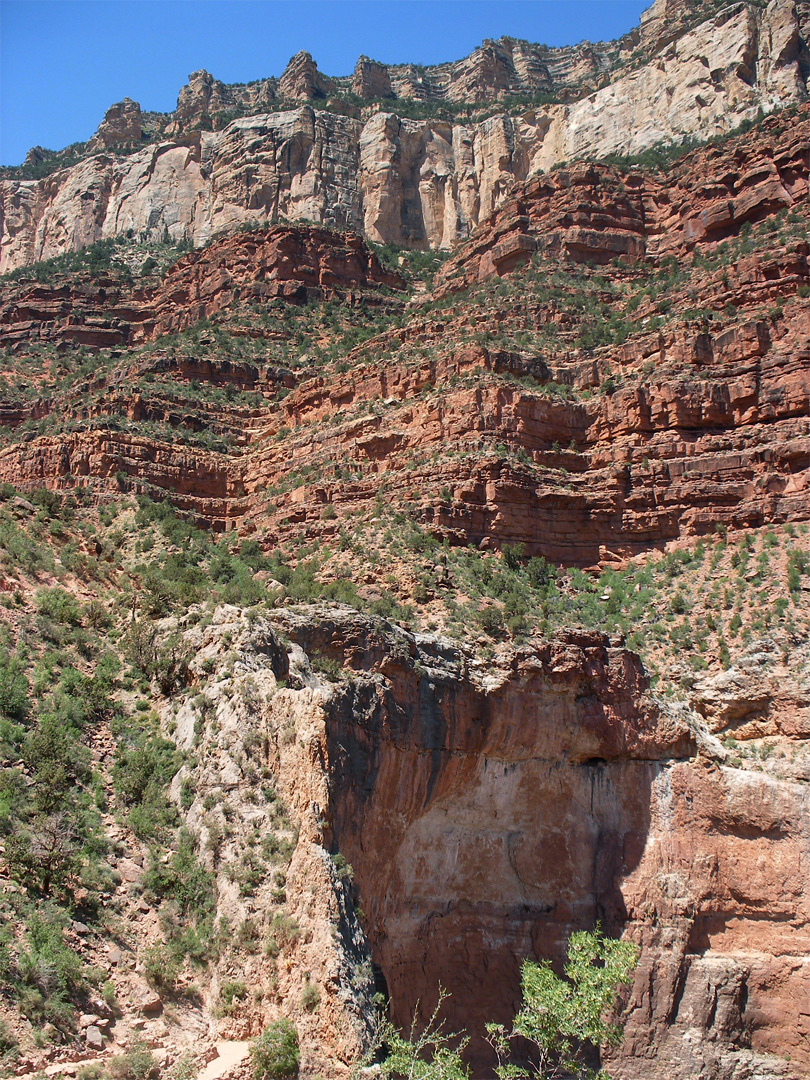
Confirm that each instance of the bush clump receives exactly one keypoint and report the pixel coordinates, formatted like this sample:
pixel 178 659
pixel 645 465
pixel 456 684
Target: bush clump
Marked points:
pixel 275 1054
pixel 138 1063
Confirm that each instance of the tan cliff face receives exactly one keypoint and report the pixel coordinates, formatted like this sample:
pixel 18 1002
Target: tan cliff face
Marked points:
pixel 420 183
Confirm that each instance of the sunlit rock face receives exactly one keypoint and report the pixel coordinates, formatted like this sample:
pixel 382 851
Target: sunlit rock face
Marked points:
pixel 421 183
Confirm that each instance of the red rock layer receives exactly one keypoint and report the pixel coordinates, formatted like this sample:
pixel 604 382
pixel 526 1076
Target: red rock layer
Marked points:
pixel 680 429
pixel 671 457
pixel 295 264
pixel 607 475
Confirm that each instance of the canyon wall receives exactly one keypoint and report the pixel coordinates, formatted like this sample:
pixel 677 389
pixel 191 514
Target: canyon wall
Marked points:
pixel 489 809
pixel 284 384
pixel 418 183
pixel 699 422
pixel 450 816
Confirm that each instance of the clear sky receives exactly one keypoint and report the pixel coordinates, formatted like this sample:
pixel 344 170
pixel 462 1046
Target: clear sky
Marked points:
pixel 64 62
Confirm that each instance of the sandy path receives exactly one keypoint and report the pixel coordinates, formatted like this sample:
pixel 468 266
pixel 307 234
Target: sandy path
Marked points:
pixel 230 1054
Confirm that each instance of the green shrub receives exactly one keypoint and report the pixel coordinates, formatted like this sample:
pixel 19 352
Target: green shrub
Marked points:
pixel 186 1067
pixel 56 761
pixel 14 688
pixel 59 605
pixel 22 549
pixel 798 565
pixel 679 604
pixel 95 1071
pixel 343 869
pixel 310 997
pixel 230 994
pixel 8 1041
pixel 138 1063
pixel 490 619
pixel 161 967
pixel 283 931
pixel 42 854
pixel 50 972
pixel 275 1054
pixel 327 666
pixel 47 500
pixel 432 1053
pixel 144 765
pixel 183 879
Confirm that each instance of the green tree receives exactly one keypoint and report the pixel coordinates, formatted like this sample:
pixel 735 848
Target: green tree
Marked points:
pixel 429 1054
pixel 59 605
pixel 565 1019
pixel 45 854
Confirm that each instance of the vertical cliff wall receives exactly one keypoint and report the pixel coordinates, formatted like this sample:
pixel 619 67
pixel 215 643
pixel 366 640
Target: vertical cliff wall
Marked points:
pixel 490 809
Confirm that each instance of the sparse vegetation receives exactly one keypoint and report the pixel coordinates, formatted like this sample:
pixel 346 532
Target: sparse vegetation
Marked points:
pixel 562 1018
pixel 429 1052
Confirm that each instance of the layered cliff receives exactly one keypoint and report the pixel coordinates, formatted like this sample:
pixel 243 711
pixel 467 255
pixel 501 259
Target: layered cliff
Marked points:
pixel 587 413
pixel 355 722
pixel 414 182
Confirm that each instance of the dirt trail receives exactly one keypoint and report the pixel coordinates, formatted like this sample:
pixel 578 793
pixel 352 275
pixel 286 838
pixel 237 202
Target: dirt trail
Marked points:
pixel 230 1054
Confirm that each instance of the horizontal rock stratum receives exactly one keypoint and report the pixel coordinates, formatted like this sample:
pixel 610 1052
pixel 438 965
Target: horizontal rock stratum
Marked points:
pixel 413 182
pixel 681 428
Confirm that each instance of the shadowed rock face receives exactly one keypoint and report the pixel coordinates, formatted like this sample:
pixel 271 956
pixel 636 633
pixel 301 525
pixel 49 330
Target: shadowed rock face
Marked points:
pixel 484 827
pixel 421 183
pixel 488 811
pixel 485 814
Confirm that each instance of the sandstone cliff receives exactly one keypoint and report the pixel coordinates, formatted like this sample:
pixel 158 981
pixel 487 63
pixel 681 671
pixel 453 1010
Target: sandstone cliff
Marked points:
pixel 411 182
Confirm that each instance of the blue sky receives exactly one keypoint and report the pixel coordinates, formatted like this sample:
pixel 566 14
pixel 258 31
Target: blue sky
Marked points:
pixel 64 62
